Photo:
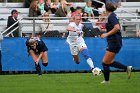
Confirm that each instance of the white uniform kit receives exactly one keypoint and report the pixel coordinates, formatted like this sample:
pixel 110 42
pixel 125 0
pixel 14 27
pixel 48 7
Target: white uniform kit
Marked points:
pixel 75 40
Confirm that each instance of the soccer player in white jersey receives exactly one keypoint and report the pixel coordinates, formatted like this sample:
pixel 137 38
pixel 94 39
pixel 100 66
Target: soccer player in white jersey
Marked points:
pixel 76 41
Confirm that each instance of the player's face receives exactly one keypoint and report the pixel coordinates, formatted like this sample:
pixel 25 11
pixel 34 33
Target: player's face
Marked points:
pixel 33 46
pixel 79 11
pixel 77 19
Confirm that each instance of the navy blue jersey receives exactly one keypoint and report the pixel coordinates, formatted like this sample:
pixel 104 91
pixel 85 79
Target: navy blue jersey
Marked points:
pixel 114 41
pixel 112 21
pixel 41 47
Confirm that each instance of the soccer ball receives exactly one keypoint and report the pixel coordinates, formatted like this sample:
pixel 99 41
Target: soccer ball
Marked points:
pixel 96 71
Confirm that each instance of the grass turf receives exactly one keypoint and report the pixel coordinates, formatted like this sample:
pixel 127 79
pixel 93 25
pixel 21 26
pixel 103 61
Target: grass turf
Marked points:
pixel 69 83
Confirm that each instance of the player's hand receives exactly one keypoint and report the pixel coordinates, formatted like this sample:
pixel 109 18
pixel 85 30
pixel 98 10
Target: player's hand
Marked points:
pixel 78 32
pixel 37 61
pixel 104 35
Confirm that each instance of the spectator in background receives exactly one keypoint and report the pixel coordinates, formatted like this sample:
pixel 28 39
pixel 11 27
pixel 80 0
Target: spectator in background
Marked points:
pixel 88 26
pixel 62 10
pixel 1 38
pixel 88 29
pixel 47 26
pixel 47 6
pixel 33 9
pixel 102 21
pixel 27 3
pixel 55 5
pixel 11 20
pixel 41 6
pixel 89 9
pixel 77 11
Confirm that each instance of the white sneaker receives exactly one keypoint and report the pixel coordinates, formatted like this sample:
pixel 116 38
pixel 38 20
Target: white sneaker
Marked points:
pixel 105 82
pixel 129 70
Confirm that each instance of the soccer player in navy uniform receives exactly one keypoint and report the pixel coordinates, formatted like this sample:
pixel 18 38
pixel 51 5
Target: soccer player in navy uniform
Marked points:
pixel 114 41
pixel 38 50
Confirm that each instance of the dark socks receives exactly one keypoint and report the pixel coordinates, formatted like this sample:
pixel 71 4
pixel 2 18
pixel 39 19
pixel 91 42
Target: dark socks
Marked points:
pixel 38 69
pixel 118 65
pixel 106 68
pixel 45 64
pixel 106 71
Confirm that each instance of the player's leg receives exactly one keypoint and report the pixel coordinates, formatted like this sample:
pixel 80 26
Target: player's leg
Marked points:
pixel 122 66
pixel 108 58
pixel 44 59
pixel 108 61
pixel 74 51
pixel 76 59
pixel 37 65
pixel 113 51
pixel 84 51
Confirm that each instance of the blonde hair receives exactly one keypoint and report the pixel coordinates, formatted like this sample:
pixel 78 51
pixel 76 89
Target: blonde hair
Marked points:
pixel 62 5
pixel 32 41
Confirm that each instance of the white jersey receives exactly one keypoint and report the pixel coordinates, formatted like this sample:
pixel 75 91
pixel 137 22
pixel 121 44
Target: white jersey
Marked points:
pixel 75 40
pixel 73 37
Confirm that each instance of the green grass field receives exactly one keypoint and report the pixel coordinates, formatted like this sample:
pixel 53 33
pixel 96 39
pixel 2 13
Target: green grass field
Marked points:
pixel 69 83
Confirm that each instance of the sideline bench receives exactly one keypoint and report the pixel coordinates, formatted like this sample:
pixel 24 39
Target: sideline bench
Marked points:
pixel 12 5
pixel 130 4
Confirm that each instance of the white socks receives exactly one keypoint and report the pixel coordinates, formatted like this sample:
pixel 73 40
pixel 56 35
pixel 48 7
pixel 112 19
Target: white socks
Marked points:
pixel 90 63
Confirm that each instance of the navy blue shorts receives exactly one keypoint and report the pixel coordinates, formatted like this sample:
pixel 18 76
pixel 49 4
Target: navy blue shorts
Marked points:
pixel 114 46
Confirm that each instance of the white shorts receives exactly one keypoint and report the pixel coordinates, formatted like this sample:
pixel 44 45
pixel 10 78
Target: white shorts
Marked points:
pixel 75 47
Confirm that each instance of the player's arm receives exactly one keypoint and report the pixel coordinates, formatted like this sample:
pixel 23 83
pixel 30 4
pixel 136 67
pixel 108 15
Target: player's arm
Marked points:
pixel 69 28
pixel 28 48
pixel 43 48
pixel 116 26
pixel 113 31
pixel 40 55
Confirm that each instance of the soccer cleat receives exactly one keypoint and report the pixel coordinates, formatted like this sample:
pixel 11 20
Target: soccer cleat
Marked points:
pixel 105 82
pixel 129 70
pixel 38 69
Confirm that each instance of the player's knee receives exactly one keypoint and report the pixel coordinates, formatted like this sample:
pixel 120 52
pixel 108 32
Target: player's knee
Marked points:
pixel 85 53
pixel 45 64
